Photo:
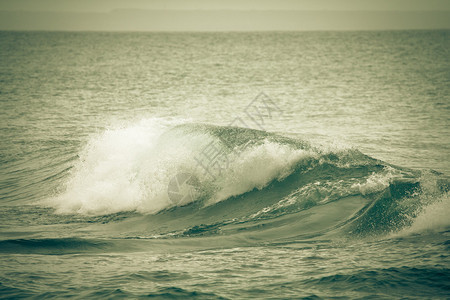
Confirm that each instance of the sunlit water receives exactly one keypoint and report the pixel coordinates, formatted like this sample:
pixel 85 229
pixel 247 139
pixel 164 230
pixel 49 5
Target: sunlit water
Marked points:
pixel 124 173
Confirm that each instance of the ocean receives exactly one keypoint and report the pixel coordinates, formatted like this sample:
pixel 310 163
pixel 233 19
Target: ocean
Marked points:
pixel 275 165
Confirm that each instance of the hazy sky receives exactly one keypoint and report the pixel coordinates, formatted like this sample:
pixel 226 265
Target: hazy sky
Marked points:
pixel 108 5
pixel 223 15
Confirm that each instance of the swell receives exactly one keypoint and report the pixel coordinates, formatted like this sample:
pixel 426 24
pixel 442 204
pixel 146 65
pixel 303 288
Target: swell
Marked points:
pixel 171 292
pixel 53 246
pixel 271 186
pixel 389 282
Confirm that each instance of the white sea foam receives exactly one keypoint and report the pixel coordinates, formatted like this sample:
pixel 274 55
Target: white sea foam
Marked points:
pixel 432 218
pixel 129 169
pixel 376 182
pixel 434 210
pixel 258 166
pixel 108 177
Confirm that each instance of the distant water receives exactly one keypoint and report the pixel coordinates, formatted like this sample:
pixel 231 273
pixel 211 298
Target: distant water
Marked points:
pixel 225 165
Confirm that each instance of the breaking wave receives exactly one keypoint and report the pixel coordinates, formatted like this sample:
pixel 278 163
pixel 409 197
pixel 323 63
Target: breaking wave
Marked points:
pixel 227 179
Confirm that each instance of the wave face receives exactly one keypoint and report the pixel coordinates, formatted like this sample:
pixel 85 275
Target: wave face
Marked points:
pixel 198 179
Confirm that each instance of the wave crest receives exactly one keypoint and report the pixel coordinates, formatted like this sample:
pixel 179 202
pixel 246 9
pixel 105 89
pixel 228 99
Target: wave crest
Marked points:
pixel 129 168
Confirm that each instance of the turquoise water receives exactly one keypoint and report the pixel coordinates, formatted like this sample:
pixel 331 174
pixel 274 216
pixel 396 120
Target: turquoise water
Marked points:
pixel 225 165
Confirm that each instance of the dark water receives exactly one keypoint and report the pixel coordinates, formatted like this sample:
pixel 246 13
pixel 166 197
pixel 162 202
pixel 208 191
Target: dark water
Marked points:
pixel 225 165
